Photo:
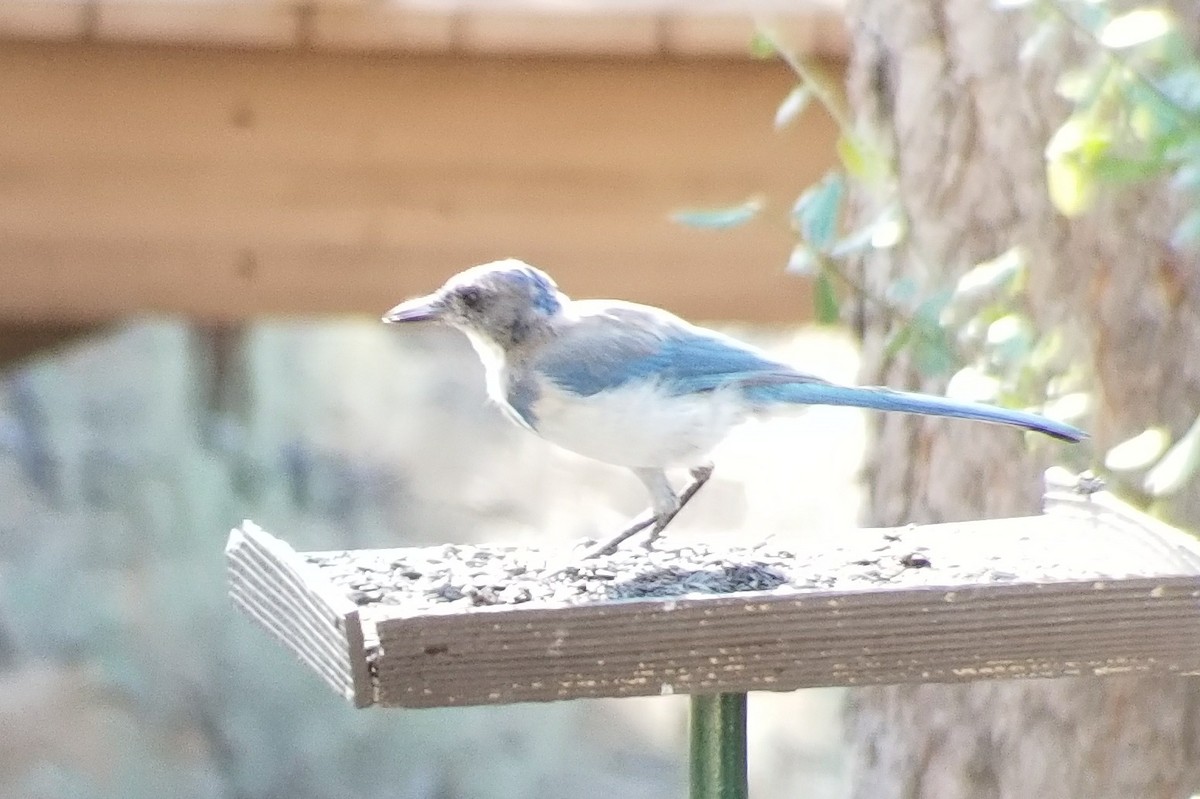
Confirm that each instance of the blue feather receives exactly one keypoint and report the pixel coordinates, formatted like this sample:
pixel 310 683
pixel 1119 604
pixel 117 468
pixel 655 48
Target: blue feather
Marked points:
pixel 612 345
pixel 521 395
pixel 615 344
pixel 886 399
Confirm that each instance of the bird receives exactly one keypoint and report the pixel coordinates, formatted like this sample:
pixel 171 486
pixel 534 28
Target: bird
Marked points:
pixel 636 386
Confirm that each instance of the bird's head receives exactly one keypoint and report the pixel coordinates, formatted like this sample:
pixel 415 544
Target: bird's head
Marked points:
pixel 503 302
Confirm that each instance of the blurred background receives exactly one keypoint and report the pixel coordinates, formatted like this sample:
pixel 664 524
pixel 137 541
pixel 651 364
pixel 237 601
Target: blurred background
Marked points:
pixel 206 205
pixel 204 208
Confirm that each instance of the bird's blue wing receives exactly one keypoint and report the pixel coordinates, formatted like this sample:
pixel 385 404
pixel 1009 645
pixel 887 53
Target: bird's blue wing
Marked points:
pixel 614 344
pixel 610 345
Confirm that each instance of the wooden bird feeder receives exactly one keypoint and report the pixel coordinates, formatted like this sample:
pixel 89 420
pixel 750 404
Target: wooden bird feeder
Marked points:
pixel 1090 587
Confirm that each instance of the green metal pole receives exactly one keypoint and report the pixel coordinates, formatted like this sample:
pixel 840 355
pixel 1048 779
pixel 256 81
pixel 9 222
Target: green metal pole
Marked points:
pixel 718 744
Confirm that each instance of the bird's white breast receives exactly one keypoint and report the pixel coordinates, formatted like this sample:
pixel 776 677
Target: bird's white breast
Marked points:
pixel 494 366
pixel 638 425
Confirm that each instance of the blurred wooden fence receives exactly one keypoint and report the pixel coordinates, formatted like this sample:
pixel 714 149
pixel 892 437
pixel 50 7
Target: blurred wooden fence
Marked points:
pixel 225 160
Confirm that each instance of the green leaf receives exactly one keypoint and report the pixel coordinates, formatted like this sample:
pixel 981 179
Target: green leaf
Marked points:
pixel 1010 338
pixel 898 341
pixel 933 349
pixel 1185 151
pixel 818 210
pixel 761 45
pixel 860 159
pixel 929 312
pixel 1139 452
pixel 1118 168
pixel 1183 87
pixel 888 229
pixel 1137 27
pixel 825 300
pixel 1069 407
pixel 902 290
pixel 1151 118
pixel 1071 187
pixel 1048 351
pixel 1076 85
pixel 1178 466
pixel 988 278
pixel 973 385
pixel 719 218
pixel 792 106
pixel 856 242
pixel 851 155
pixel 883 232
pixel 1081 137
pixel 1077 143
pixel 933 352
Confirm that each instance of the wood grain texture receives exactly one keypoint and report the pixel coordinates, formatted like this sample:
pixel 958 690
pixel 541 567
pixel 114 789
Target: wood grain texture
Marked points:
pixel 35 19
pixel 1092 588
pixel 226 184
pixel 782 643
pixel 475 26
pixel 271 584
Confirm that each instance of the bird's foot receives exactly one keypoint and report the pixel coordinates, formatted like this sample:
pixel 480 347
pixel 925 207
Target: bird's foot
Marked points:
pixel 610 546
pixel 657 522
pixel 700 476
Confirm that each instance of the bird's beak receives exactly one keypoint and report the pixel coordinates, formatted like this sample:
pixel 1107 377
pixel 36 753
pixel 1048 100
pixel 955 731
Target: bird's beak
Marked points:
pixel 418 309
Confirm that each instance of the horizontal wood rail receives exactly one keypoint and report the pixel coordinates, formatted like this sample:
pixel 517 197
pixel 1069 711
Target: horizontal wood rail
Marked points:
pixel 224 184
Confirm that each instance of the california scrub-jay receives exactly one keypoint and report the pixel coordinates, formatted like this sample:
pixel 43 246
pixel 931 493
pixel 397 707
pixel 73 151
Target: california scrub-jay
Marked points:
pixel 636 386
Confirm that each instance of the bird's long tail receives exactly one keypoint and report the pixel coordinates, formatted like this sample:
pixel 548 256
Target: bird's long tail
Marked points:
pixel 818 392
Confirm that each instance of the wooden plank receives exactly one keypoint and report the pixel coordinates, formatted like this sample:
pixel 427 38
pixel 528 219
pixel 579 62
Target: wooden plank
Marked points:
pixel 289 182
pixel 37 19
pixel 1093 587
pixel 504 30
pixel 380 27
pixel 199 23
pixel 814 35
pixel 745 643
pixel 509 27
pixel 275 588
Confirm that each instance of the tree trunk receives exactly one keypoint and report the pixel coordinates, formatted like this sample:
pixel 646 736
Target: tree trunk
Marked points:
pixel 942 84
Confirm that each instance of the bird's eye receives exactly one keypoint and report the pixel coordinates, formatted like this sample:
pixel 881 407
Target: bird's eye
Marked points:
pixel 471 297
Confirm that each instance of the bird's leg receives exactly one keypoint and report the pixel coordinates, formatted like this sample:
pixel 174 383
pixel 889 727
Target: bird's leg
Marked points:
pixel 700 476
pixel 665 505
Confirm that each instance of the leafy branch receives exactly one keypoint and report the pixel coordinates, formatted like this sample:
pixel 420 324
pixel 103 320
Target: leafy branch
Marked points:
pixel 1135 106
pixel 1134 116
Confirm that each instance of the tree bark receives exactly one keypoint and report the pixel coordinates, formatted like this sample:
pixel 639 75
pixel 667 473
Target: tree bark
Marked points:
pixel 943 85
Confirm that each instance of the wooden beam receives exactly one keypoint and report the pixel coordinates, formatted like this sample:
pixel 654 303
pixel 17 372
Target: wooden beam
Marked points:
pixel 509 27
pixel 1092 587
pixel 224 184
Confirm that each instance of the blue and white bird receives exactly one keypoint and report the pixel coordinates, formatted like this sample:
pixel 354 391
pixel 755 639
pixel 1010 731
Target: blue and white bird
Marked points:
pixel 635 386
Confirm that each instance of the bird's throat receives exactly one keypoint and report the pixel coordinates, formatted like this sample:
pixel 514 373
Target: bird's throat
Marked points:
pixel 494 362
